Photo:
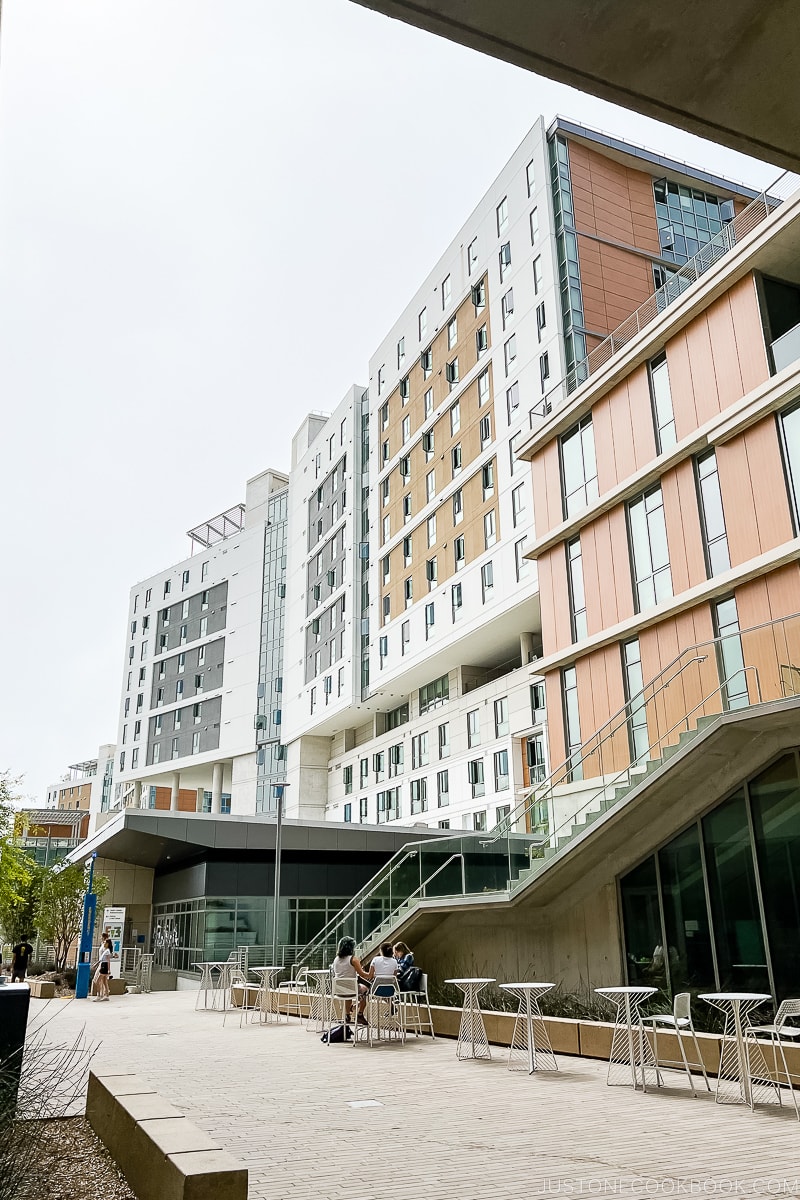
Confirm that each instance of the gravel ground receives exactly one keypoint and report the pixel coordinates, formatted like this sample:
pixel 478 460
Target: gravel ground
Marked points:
pixel 71 1163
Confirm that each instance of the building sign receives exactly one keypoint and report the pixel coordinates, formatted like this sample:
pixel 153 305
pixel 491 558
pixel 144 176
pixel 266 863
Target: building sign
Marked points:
pixel 114 925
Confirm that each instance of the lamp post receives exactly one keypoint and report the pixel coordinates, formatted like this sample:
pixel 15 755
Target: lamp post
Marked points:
pixel 87 933
pixel 279 790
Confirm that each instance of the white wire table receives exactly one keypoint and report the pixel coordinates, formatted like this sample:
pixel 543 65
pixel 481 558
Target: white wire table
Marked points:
pixel 743 1070
pixel 319 1009
pixel 530 1047
pixel 213 983
pixel 268 1007
pixel 472 1039
pixel 630 1047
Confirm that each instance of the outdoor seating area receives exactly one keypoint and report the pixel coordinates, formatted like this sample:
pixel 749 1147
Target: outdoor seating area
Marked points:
pixel 751 1067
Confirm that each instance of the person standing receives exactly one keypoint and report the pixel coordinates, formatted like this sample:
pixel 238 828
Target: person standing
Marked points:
pixel 21 955
pixel 104 970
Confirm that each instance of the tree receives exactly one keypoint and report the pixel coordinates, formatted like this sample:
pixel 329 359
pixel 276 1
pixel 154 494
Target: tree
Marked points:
pixel 60 911
pixel 18 915
pixel 15 865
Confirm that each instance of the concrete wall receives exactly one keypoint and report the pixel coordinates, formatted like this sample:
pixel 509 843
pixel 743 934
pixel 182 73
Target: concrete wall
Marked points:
pixel 132 887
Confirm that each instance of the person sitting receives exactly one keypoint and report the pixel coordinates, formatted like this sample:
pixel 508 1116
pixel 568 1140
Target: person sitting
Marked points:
pixel 383 964
pixel 405 959
pixel 346 965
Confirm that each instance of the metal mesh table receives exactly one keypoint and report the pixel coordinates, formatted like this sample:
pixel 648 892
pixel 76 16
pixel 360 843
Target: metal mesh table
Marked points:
pixel 472 1039
pixel 631 1052
pixel 530 1048
pixel 743 1076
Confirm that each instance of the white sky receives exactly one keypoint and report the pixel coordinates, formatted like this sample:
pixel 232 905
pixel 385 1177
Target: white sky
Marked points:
pixel 210 214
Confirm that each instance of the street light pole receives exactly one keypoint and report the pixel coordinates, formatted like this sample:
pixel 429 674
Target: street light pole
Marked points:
pixel 279 790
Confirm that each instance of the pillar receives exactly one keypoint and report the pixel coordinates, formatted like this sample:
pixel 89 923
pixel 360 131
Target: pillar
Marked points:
pixel 216 788
pixel 199 804
pixel 176 787
pixel 526 647
pixel 139 795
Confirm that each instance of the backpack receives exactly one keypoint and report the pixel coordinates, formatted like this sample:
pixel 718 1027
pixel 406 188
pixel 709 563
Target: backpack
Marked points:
pixel 411 979
pixel 337 1034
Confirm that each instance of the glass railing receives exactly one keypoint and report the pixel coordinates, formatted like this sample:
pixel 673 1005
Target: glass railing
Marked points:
pixel 756 666
pixel 786 348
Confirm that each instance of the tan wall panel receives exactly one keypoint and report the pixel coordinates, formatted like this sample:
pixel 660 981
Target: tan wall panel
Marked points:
pixel 620 567
pixel 555 623
pixel 736 486
pixel 725 352
pixel 604 446
pixel 749 333
pixel 546 478
pixel 590 553
pixel 703 375
pixel 681 386
pixel 547 603
pixel 773 514
pixel 555 720
pixel 641 416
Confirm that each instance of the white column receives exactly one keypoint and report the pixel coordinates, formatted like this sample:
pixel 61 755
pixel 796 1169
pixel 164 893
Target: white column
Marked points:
pixel 176 785
pixel 216 788
pixel 199 805
pixel 139 795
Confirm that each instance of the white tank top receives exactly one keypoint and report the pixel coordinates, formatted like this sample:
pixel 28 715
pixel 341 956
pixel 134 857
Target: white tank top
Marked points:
pixel 343 968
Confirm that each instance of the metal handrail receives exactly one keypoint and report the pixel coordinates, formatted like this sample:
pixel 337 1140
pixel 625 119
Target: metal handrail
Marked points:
pixel 705 258
pixel 614 782
pixel 422 886
pixel 599 736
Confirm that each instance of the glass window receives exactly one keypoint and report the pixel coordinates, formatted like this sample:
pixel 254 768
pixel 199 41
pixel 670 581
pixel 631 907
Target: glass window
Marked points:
pixel 518 503
pixel 507 306
pixel 510 352
pixel 472 255
pixel 641 919
pixel 730 660
pixel 455 417
pixel 452 332
pixel 572 721
pixel 483 388
pixel 458 507
pixel 423 323
pixel 577 594
pixel 473 728
pixel 501 717
pixel 487 581
pixel 442 789
pixel 489 529
pixel 712 518
pixel 578 468
pixel 505 260
pixel 475 778
pixel 444 740
pixel 446 292
pixel 688 938
pixel 456 601
pixel 789 423
pixel 431 529
pixel 633 683
pixel 433 694
pixel 530 177
pixel 534 756
pixel 741 955
pixel 537 275
pixel 661 400
pixel 502 215
pixel 501 780
pixel 775 802
pixel 647 531
pixel 522 563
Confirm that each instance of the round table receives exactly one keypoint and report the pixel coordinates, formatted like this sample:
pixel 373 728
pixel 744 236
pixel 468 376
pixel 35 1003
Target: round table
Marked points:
pixel 216 985
pixel 472 1039
pixel 736 1059
pixel 267 993
pixel 630 1048
pixel 319 1009
pixel 530 1038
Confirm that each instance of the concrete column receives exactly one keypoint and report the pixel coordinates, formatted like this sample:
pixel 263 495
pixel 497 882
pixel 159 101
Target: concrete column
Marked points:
pixel 199 805
pixel 216 788
pixel 176 787
pixel 526 647
pixel 139 793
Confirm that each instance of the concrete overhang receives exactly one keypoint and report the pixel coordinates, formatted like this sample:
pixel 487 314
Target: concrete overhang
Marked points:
pixel 721 71
pixel 154 838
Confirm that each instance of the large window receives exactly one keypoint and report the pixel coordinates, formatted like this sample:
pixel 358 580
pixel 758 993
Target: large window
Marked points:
pixel 712 518
pixel 433 694
pixel 661 400
pixel 638 741
pixel 578 468
pixel 730 660
pixel 687 218
pixel 572 721
pixel 647 529
pixel 789 423
pixel 577 595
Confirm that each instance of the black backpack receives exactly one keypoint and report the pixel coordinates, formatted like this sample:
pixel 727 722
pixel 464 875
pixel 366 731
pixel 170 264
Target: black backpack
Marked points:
pixel 337 1033
pixel 411 979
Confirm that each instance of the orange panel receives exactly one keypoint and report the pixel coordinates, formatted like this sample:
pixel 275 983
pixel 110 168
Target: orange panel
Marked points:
pixel 703 374
pixel 620 567
pixel 604 446
pixel 690 520
pixel 555 719
pixel 644 438
pixel 547 605
pixel 675 533
pixel 772 502
pixel 738 501
pixel 595 616
pixel 725 352
pixel 749 333
pixel 681 386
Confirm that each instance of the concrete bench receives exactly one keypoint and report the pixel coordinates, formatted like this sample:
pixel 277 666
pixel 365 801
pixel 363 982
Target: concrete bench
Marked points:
pixel 162 1155
pixel 43 989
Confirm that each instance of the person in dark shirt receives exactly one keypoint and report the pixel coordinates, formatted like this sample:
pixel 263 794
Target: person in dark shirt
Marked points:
pixel 20 957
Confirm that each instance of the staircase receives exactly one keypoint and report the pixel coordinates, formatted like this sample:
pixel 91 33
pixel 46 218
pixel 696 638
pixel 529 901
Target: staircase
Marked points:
pixel 620 761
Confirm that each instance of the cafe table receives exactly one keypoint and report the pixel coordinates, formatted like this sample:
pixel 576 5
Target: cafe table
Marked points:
pixel 742 1067
pixel 319 1010
pixel 631 1051
pixel 213 983
pixel 267 1002
pixel 472 1039
pixel 530 1042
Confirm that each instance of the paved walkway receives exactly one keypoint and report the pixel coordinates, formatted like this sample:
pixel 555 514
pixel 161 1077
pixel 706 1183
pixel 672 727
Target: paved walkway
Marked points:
pixel 283 1103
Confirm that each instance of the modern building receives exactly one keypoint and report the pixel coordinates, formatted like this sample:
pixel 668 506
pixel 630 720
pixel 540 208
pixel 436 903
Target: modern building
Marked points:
pixel 663 845
pixel 194 668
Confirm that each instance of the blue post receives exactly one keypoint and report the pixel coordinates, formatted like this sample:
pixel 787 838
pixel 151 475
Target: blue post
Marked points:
pixel 87 933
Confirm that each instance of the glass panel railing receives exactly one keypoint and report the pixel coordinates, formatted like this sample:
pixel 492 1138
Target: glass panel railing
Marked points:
pixel 738 671
pixel 786 348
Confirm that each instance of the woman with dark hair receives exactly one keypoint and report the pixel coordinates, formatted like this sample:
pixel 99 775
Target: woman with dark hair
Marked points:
pixel 405 959
pixel 347 965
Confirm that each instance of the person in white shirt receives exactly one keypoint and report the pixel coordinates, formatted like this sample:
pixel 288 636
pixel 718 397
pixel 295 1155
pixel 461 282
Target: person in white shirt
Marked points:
pixel 104 970
pixel 383 964
pixel 347 966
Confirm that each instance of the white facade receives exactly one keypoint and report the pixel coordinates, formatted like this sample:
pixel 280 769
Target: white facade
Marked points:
pixel 191 672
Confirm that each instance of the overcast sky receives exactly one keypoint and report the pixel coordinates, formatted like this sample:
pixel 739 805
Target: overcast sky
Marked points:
pixel 210 214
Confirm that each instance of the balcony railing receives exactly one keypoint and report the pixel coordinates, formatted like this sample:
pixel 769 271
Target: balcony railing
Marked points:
pixel 707 257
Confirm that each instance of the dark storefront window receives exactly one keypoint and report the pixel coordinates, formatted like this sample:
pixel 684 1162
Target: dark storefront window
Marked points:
pixel 775 800
pixel 642 921
pixel 688 939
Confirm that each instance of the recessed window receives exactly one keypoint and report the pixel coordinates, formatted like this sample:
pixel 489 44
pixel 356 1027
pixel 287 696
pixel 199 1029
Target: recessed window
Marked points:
pixel 384 419
pixel 530 177
pixel 458 507
pixel 489 529
pixel 789 426
pixel 455 460
pixel 422 323
pixel 430 618
pixel 487 480
pixel 661 401
pixel 408 544
pixel 408 591
pixel 537 275
pixel 577 595
pixel 406 429
pixel 401 352
pixel 426 362
pixel 428 403
pixel 478 788
pixel 578 468
pixel 507 306
pixel 446 292
pixel 456 600
pixel 487 581
pixel 407 508
pixel 501 780
pixel 434 694
pixel 485 431
pixel 381 380
pixel 431 529
pixel 432 575
pixel 405 635
pixel 481 340
pixel 572 722
pixel 442 792
pixel 455 418
pixel 474 728
pixel 483 388
pixel 504 258
pixel 512 400
pixel 430 485
pixel 518 503
pixel 479 296
pixel 534 226
pixel 502 215
pixel 647 531
pixel 472 255
pixel 452 332
pixel 451 372
pixel 712 517
pixel 459 552
pixel 521 562
pixel 405 390
pixel 544 369
pixel 510 352
pixel 404 467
